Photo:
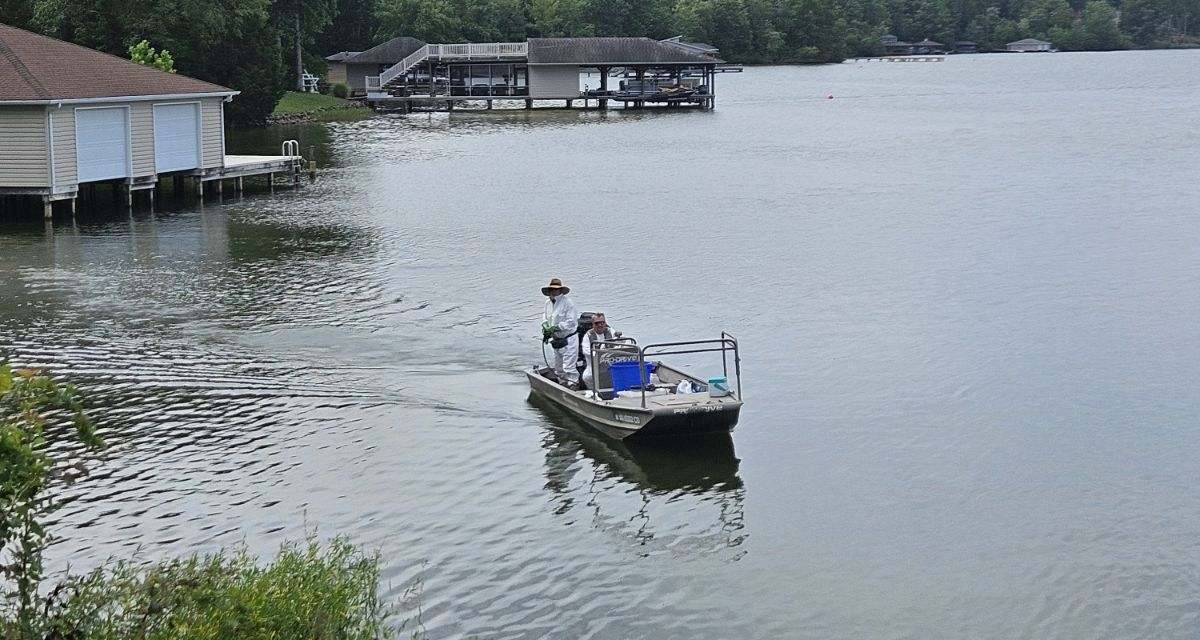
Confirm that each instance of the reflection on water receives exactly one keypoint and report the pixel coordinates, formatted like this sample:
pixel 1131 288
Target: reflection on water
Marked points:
pixel 625 488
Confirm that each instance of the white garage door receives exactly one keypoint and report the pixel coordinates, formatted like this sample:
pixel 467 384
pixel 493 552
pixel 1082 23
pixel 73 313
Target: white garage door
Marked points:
pixel 101 144
pixel 176 137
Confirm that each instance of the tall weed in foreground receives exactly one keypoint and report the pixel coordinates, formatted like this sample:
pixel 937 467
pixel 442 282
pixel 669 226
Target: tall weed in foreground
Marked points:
pixel 309 591
pixel 33 413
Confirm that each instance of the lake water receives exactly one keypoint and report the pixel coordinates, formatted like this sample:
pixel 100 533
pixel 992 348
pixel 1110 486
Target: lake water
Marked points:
pixel 967 295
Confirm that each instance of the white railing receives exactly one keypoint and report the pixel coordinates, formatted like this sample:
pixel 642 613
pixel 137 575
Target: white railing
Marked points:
pixel 484 51
pixel 372 83
pixel 404 65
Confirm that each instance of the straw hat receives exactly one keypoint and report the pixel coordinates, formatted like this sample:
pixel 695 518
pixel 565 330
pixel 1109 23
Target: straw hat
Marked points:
pixel 555 284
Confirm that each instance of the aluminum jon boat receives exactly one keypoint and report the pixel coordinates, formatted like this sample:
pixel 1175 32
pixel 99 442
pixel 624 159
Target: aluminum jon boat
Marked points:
pixel 656 408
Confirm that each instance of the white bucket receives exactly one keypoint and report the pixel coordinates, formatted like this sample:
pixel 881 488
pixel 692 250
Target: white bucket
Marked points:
pixel 718 387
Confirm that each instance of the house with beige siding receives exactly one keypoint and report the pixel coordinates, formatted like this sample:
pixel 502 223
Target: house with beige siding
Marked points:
pixel 351 67
pixel 70 115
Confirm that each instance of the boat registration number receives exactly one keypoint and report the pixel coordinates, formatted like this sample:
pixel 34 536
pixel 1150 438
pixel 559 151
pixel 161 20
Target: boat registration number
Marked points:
pixel 627 418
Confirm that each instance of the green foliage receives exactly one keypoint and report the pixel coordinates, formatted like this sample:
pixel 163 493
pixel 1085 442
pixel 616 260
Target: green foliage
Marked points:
pixel 340 90
pixel 1099 23
pixel 310 590
pixel 144 54
pixel 428 20
pixel 1146 21
pixel 33 412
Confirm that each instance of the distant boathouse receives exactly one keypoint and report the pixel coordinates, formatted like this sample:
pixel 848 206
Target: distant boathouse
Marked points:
pixel 633 71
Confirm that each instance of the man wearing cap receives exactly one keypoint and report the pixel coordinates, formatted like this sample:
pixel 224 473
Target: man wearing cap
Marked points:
pixel 600 332
pixel 559 324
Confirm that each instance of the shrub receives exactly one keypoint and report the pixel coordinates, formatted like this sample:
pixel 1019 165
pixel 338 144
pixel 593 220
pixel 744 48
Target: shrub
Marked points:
pixel 321 592
pixel 340 90
pixel 33 413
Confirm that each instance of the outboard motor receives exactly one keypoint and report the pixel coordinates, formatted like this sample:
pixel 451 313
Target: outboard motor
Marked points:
pixel 585 325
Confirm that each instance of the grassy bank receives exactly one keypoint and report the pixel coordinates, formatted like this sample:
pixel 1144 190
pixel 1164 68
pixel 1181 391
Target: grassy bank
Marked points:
pixel 315 107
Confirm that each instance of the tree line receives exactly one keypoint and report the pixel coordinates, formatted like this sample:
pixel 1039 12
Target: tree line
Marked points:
pixel 253 45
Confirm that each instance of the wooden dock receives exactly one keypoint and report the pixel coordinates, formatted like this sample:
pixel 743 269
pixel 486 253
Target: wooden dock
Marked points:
pixel 237 167
pixel 234 167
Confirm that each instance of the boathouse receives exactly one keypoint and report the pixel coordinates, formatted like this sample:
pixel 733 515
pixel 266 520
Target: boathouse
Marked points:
pixel 352 67
pixel 71 116
pixel 634 71
pixel 1030 45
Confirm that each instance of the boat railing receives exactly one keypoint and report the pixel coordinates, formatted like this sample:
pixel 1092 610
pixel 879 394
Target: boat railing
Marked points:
pixel 724 345
pixel 622 347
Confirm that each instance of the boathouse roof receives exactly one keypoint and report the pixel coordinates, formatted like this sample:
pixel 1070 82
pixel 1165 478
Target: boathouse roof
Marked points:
pixel 698 47
pixel 341 56
pixel 390 52
pixel 1029 41
pixel 36 68
pixel 612 51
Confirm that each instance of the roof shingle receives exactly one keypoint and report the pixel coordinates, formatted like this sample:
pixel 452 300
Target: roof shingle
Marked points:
pixel 390 52
pixel 35 67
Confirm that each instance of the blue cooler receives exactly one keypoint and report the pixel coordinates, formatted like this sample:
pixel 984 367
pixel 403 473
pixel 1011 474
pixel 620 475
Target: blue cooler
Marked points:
pixel 625 375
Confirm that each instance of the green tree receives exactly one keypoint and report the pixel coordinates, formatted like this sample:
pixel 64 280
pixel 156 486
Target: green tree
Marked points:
pixel 1099 23
pixel 650 18
pixel 490 20
pixel 723 23
pixel 144 54
pixel 299 22
pixel 352 29
pixel 1145 21
pixel 1043 15
pixel 814 30
pixel 429 20
pixel 32 410
pixel 557 18
pixel 983 30
pixel 17 13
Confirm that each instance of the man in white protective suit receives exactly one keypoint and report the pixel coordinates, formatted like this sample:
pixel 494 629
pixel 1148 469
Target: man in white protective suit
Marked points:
pixel 559 324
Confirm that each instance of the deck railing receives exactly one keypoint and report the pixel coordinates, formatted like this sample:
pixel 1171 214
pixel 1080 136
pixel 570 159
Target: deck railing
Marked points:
pixel 481 51
pixel 404 65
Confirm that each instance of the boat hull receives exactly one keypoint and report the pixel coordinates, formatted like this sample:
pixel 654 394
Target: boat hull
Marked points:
pixel 623 422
